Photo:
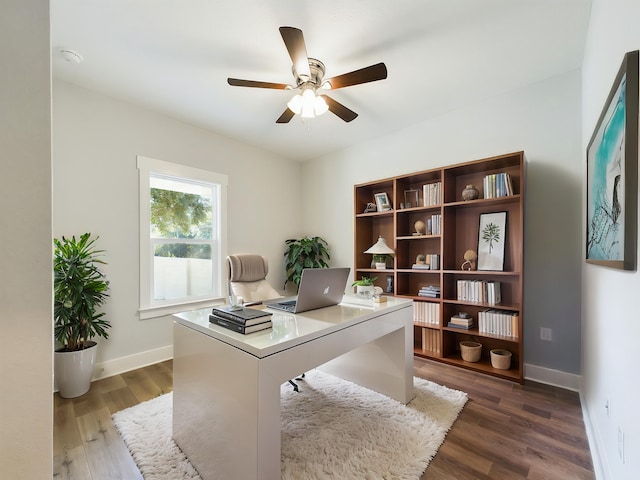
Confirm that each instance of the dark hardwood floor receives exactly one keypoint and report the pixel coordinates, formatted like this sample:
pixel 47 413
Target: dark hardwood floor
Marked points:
pixel 506 430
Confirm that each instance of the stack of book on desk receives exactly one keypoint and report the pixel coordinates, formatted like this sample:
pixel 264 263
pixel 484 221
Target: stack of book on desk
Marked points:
pixel 242 320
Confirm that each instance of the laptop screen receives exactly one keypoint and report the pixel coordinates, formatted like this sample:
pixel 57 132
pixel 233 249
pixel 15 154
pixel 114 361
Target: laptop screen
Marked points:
pixel 319 287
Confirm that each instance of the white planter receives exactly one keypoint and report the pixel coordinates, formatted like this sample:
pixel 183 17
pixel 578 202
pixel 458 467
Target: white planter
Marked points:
pixel 73 371
pixel 364 290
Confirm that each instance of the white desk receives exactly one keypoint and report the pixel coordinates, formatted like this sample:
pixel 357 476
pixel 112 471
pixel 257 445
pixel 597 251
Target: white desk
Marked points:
pixel 226 386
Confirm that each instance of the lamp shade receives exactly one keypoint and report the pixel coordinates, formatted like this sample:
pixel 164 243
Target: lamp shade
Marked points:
pixel 380 248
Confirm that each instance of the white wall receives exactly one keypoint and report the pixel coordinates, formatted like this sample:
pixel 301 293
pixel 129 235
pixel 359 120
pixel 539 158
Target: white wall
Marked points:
pixel 95 143
pixel 610 322
pixel 26 330
pixel 544 121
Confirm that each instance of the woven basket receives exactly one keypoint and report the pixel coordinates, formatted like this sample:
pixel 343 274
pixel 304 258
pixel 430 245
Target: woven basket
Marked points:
pixel 501 359
pixel 470 351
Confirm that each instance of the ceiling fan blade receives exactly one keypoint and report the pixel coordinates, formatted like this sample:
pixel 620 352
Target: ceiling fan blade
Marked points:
pixel 340 110
pixel 294 41
pixel 285 117
pixel 237 82
pixel 364 75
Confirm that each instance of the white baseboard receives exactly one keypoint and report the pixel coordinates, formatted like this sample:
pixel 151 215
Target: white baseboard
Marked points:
pixel 568 381
pixel 599 466
pixel 131 362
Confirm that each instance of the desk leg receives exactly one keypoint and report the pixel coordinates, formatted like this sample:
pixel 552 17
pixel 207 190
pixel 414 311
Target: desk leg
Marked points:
pixel 385 364
pixel 226 413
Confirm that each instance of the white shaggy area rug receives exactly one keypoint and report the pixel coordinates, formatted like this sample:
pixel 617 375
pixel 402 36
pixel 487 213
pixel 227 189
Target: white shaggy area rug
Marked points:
pixel 331 429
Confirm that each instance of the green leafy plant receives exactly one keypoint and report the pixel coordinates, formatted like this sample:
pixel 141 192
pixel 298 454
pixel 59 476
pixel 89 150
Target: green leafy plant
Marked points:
pixel 307 252
pixel 364 282
pixel 79 288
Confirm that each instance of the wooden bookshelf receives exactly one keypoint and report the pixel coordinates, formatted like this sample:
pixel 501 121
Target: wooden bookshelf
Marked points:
pixel 458 232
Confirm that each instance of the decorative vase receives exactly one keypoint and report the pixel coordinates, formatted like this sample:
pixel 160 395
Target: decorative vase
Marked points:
pixel 73 371
pixel 470 193
pixel 389 284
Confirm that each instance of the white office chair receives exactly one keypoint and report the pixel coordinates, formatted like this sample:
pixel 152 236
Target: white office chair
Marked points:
pixel 247 279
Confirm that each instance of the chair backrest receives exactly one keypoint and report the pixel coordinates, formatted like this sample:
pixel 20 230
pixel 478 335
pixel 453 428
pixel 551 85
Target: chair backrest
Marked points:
pixel 247 277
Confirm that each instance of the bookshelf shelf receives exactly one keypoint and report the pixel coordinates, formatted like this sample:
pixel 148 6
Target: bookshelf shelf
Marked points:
pixel 454 226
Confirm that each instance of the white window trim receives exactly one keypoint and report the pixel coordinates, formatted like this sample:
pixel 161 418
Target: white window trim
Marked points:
pixel 146 166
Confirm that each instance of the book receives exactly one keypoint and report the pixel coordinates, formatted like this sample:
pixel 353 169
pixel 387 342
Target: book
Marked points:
pixel 421 266
pixel 243 316
pixel 461 321
pixel 463 327
pixel 238 327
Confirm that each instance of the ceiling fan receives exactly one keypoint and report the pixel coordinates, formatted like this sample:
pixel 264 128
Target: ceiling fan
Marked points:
pixel 309 79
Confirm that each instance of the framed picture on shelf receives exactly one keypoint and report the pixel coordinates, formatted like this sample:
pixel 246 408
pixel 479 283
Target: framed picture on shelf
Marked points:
pixel 382 202
pixel 491 239
pixel 612 174
pixel 411 198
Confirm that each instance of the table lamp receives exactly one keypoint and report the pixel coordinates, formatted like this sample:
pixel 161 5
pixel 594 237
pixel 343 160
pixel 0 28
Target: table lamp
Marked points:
pixel 380 250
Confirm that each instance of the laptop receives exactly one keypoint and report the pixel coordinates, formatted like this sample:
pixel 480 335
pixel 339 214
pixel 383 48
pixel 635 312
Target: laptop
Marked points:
pixel 319 287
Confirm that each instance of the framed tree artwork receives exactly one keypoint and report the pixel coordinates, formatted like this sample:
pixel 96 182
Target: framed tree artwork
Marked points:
pixel 612 174
pixel 492 235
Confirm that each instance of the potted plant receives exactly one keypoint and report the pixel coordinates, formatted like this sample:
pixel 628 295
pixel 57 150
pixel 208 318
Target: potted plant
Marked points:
pixel 364 286
pixel 80 289
pixel 307 252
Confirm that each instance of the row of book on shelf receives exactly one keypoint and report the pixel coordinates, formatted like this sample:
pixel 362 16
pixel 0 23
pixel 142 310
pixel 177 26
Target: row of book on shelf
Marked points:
pixel 497 185
pixel 426 313
pixel 434 224
pixel 481 291
pixel 498 322
pixel 432 194
pixel 242 320
pixel 431 262
pixel 430 341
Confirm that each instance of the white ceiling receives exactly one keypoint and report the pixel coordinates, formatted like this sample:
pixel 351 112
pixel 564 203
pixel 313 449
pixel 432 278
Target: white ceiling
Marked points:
pixel 174 56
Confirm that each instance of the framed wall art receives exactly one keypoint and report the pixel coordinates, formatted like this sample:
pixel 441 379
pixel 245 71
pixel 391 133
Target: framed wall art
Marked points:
pixel 382 202
pixel 492 235
pixel 612 174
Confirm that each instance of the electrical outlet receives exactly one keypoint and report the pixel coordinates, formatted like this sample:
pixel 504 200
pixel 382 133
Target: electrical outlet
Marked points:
pixel 620 443
pixel 545 334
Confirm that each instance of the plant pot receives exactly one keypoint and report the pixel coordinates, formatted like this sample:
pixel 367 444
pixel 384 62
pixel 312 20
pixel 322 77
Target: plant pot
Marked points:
pixel 501 359
pixel 364 290
pixel 470 351
pixel 74 370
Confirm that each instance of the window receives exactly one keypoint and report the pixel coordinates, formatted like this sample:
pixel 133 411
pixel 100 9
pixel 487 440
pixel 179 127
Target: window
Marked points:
pixel 182 242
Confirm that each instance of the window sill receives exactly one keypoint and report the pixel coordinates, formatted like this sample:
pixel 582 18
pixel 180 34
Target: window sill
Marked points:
pixel 148 313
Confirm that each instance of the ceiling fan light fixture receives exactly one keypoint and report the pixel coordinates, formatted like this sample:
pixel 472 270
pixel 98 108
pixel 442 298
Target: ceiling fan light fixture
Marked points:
pixel 308 104
pixel 308 74
pixel 295 104
pixel 319 105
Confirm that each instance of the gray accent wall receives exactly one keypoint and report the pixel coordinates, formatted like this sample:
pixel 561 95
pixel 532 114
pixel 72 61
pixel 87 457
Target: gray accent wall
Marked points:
pixel 543 119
